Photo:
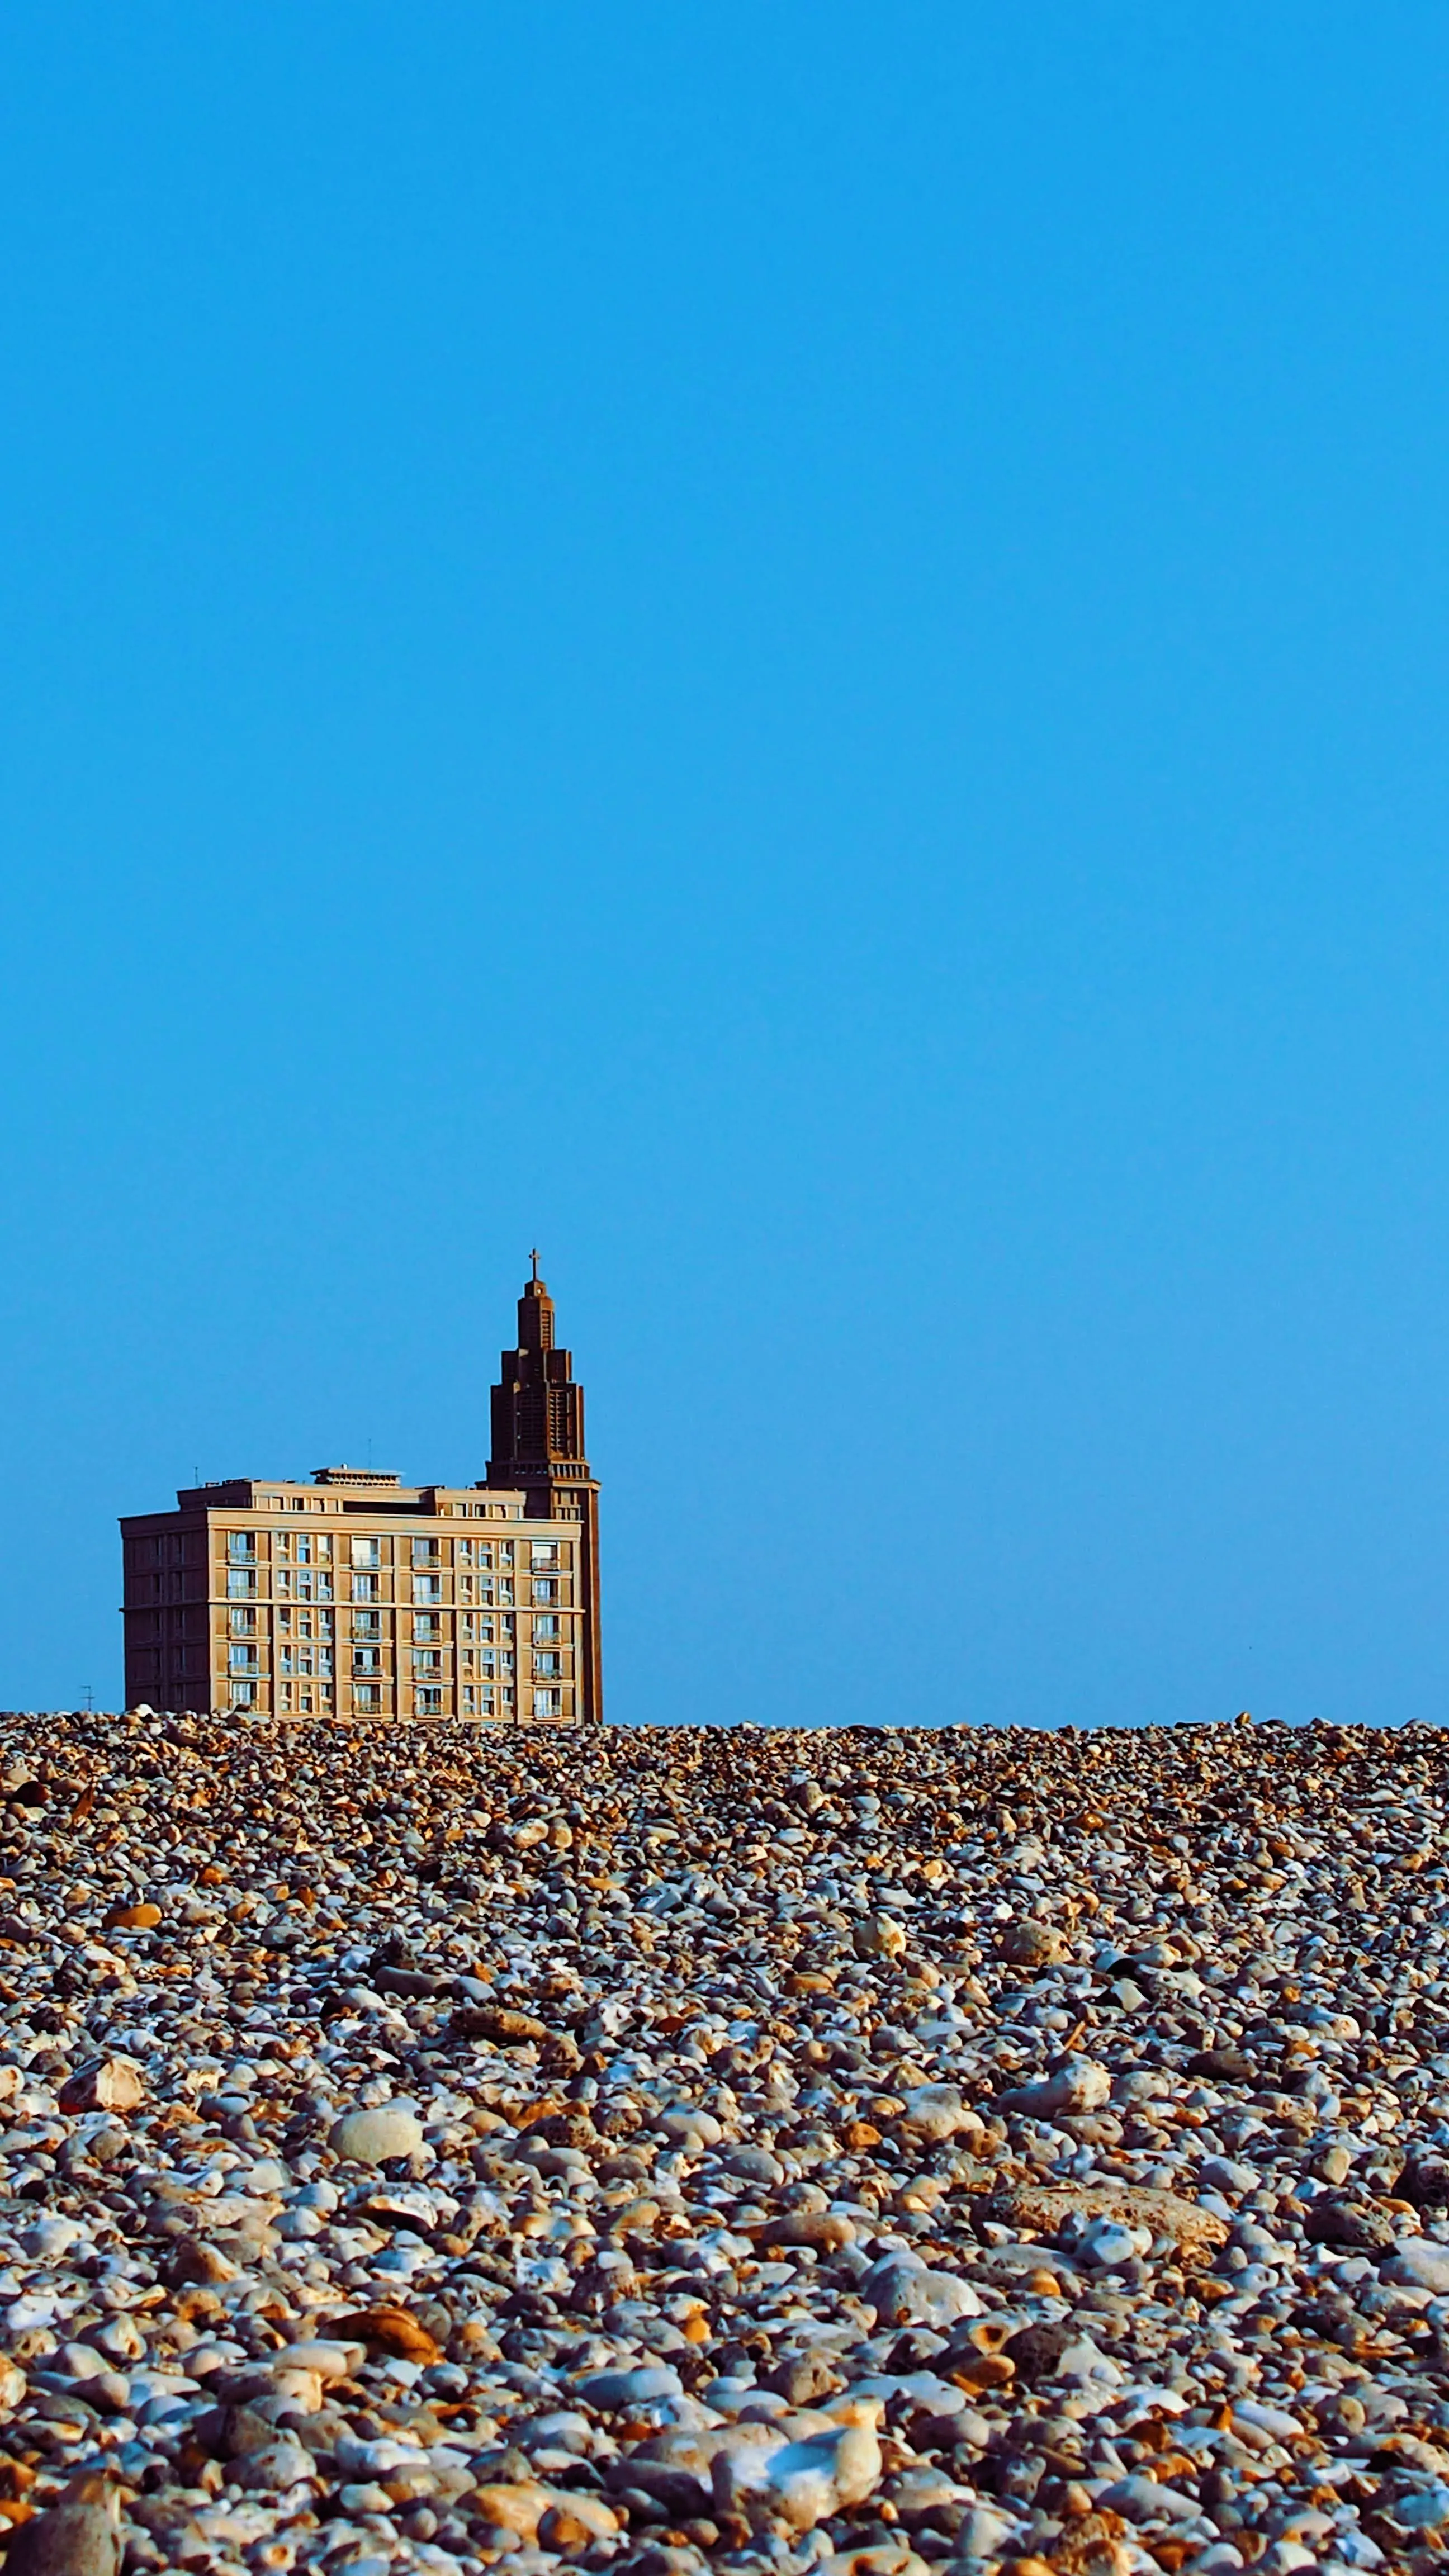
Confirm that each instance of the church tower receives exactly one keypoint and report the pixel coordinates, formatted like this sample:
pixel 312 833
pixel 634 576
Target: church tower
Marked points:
pixel 538 1449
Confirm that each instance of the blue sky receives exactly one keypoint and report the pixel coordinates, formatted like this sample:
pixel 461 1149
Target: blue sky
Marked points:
pixel 800 654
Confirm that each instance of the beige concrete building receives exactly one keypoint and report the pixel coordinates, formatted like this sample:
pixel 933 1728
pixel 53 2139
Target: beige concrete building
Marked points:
pixel 356 1596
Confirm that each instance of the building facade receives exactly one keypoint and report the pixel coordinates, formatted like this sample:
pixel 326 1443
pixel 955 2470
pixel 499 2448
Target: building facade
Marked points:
pixel 354 1596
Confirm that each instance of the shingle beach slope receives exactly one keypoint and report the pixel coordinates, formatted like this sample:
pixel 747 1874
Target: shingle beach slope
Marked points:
pixel 444 2150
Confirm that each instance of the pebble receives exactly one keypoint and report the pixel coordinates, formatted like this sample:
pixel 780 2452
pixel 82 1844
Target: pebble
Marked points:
pixel 905 2291
pixel 868 2150
pixel 376 2137
pixel 79 2536
pixel 1075 2084
pixel 1106 2244
pixel 1421 2263
pixel 802 2482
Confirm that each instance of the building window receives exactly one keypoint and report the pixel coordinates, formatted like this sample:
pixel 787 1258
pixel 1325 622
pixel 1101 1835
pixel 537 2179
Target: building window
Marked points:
pixel 546 1703
pixel 505 1551
pixel 366 1552
pixel 547 1667
pixel 427 1626
pixel 427 1587
pixel 367 1623
pixel 546 1590
pixel 243 1694
pixel 365 1587
pixel 427 1659
pixel 544 1555
pixel 427 1551
pixel 486 1702
pixel 241 1547
pixel 241 1623
pixel 545 1630
pixel 470 1701
pixel 368 1697
pixel 367 1659
pixel 240 1584
pixel 465 1552
pixel 429 1703
pixel 241 1659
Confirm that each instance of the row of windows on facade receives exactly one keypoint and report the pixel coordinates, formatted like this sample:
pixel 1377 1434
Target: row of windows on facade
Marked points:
pixel 314 1583
pixel 369 1699
pixel 329 1503
pixel 243 1548
pixel 462 1511
pixel 427 1660
pixel 429 1626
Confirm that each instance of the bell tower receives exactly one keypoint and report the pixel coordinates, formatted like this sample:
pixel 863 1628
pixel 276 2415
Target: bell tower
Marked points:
pixel 538 1449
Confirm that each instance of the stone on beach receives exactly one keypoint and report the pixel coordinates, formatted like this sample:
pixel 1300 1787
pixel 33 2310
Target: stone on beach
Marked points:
pixel 376 2137
pixel 802 2481
pixel 103 2084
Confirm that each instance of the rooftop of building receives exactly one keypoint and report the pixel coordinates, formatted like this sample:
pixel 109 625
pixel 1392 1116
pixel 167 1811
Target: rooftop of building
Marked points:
pixel 381 1498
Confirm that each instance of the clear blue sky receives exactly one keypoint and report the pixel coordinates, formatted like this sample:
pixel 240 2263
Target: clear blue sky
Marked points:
pixel 799 653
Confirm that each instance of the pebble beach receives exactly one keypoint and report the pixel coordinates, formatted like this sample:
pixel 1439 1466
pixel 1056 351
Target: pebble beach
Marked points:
pixel 876 2151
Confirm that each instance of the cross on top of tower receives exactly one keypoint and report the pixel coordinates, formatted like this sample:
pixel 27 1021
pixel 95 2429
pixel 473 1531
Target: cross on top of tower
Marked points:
pixel 534 1258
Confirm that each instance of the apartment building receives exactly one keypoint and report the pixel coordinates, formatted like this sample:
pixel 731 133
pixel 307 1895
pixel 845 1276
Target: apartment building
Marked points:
pixel 354 1596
